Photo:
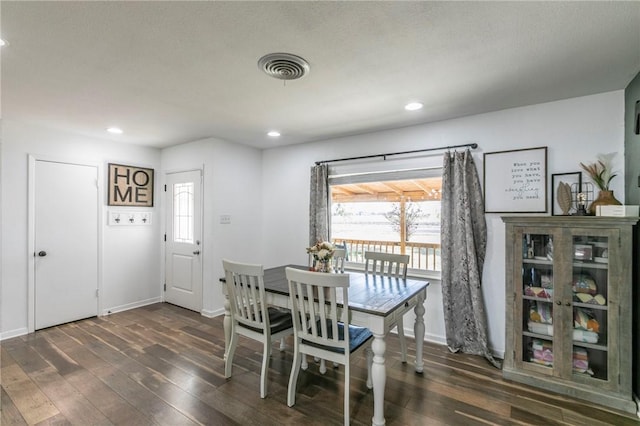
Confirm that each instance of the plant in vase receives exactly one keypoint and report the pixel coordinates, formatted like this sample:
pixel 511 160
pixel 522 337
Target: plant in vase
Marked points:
pixel 322 253
pixel 601 175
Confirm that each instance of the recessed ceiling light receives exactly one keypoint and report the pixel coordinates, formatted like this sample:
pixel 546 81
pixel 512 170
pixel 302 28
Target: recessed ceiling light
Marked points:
pixel 2 42
pixel 413 106
pixel 273 134
pixel 114 130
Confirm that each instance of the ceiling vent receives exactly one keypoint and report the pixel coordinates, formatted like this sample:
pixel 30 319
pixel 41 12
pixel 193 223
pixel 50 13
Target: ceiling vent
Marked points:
pixel 283 66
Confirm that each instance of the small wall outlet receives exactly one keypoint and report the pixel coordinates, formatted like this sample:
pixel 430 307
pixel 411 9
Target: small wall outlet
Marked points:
pixel 225 219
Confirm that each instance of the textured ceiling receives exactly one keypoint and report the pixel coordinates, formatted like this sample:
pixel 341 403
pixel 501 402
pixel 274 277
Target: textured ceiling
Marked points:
pixel 174 72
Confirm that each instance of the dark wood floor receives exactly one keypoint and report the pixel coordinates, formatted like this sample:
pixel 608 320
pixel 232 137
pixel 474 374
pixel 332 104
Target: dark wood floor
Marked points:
pixel 164 365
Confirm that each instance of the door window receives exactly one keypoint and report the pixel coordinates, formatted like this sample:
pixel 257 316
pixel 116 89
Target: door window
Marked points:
pixel 183 212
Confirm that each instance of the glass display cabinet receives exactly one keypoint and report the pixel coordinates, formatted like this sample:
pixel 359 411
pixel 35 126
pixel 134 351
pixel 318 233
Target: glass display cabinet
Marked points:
pixel 569 306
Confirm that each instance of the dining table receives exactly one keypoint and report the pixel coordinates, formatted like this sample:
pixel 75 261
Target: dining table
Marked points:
pixel 375 301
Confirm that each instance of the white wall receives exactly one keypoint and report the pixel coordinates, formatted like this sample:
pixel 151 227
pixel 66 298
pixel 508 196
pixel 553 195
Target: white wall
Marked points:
pixel 232 186
pixel 267 196
pixel 131 255
pixel 574 130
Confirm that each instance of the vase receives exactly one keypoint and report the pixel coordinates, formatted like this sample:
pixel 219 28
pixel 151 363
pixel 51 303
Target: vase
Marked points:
pixel 323 266
pixel 605 198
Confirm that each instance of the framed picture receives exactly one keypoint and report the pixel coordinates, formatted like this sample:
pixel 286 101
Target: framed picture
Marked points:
pixel 574 180
pixel 516 181
pixel 130 186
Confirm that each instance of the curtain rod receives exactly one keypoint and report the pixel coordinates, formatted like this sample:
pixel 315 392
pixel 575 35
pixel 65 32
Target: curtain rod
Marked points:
pixel 384 156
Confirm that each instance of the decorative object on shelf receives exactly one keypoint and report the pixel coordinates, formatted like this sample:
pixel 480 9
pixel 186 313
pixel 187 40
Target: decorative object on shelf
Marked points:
pixel 584 319
pixel 605 198
pixel 598 299
pixel 582 204
pixel 549 249
pixel 322 253
pixel 564 197
pixel 565 188
pixel 601 174
pixel 584 283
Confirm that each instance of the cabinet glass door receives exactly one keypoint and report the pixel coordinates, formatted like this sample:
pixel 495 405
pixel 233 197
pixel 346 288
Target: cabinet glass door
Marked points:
pixel 537 304
pixel 590 301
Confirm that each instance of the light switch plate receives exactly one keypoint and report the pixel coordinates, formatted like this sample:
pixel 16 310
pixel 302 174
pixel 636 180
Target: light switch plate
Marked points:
pixel 225 219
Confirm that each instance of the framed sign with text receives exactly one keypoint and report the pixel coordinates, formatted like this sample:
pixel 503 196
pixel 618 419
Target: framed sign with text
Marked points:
pixel 130 186
pixel 516 181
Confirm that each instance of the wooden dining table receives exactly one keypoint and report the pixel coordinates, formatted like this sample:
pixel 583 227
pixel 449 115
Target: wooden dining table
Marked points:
pixel 375 302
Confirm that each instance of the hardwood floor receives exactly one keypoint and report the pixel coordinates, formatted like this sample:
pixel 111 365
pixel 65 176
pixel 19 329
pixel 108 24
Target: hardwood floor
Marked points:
pixel 163 365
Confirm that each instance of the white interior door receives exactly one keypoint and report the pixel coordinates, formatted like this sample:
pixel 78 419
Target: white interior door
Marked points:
pixel 183 265
pixel 65 242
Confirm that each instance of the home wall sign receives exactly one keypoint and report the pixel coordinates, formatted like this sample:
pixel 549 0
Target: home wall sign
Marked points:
pixel 516 181
pixel 130 186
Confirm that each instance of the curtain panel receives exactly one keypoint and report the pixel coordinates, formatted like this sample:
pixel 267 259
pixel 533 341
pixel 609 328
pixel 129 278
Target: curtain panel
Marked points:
pixel 464 241
pixel 319 204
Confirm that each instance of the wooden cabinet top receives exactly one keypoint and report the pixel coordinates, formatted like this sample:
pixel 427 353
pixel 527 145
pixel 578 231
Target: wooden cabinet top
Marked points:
pixel 573 221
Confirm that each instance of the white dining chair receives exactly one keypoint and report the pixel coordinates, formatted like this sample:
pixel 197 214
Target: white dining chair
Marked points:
pixel 392 265
pixel 320 311
pixel 250 315
pixel 339 257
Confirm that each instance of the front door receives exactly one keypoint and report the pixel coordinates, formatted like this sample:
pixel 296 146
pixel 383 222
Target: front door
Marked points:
pixel 183 266
pixel 65 241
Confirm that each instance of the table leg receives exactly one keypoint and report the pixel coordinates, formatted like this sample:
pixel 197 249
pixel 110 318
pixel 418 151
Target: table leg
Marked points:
pixel 379 377
pixel 418 330
pixel 227 326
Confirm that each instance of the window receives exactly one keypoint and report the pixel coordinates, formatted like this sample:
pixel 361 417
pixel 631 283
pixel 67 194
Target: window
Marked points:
pixel 391 211
pixel 183 212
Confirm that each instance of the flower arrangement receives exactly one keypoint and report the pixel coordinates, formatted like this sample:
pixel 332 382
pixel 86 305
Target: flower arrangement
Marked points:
pixel 600 172
pixel 322 253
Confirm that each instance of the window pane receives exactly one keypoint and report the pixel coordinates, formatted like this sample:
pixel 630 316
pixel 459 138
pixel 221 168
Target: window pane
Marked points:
pixel 183 212
pixel 399 216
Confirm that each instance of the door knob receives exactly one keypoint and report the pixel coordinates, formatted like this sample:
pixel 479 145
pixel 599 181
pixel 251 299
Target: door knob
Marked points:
pixel 196 252
pixel 42 253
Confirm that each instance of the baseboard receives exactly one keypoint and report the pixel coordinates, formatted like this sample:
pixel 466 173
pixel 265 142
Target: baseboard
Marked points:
pixel 442 340
pixel 211 314
pixel 13 333
pixel 129 306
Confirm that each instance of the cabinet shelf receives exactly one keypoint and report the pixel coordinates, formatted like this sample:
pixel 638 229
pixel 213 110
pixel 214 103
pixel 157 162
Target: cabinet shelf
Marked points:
pixel 538 299
pixel 594 346
pixel 537 262
pixel 537 335
pixel 591 306
pixel 591 265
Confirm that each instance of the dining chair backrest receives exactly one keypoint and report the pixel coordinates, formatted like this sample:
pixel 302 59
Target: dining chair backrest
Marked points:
pixel 339 257
pixel 317 307
pixel 250 315
pixel 320 311
pixel 245 285
pixel 390 264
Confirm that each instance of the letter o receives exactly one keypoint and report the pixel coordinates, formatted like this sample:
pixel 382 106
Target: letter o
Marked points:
pixel 143 173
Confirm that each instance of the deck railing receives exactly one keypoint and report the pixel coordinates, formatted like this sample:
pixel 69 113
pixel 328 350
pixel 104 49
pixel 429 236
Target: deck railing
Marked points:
pixel 424 256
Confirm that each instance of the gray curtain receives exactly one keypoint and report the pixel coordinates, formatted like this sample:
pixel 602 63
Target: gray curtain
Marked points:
pixel 319 204
pixel 464 241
